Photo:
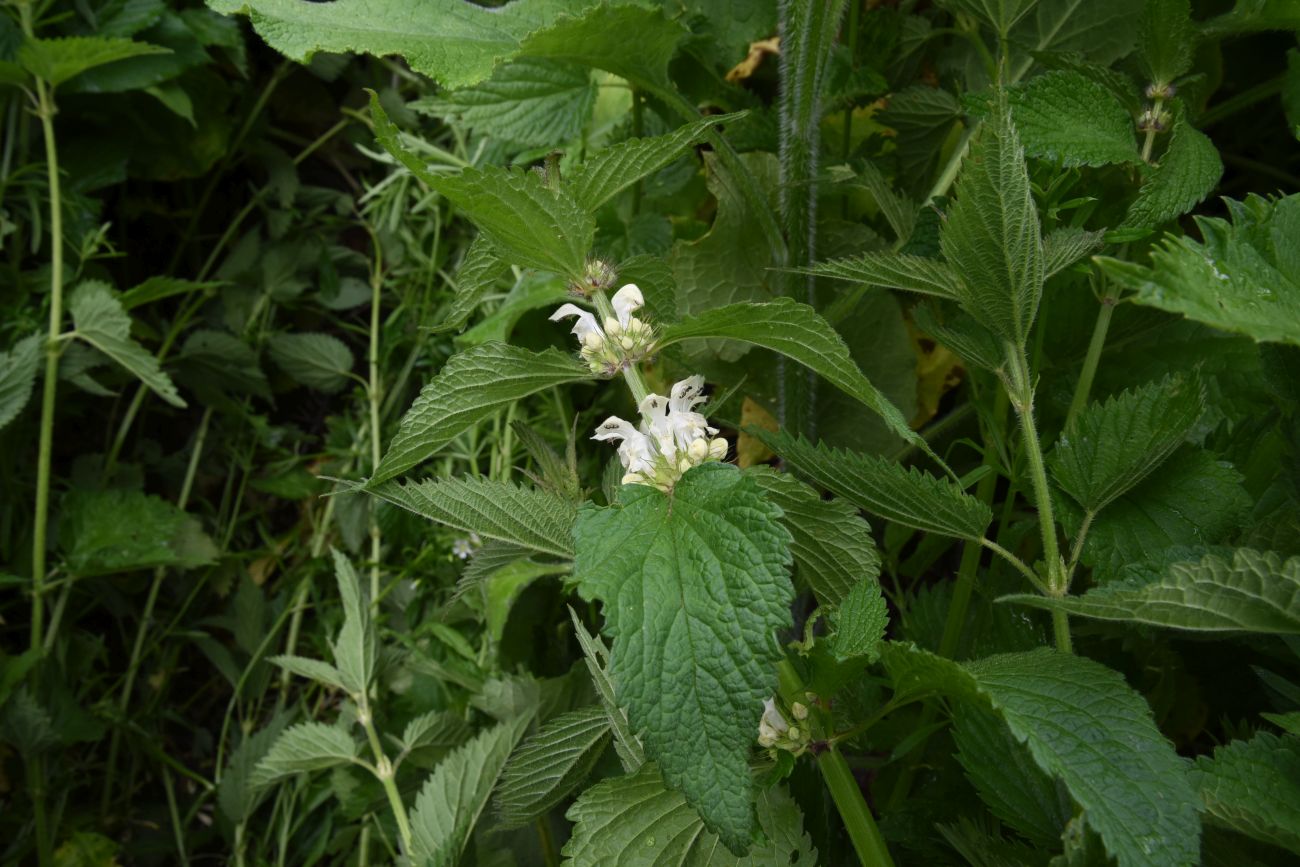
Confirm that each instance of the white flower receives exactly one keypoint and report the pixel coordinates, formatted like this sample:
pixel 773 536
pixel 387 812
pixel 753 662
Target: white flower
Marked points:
pixel 773 717
pixel 585 327
pixel 622 338
pixel 627 301
pixel 636 451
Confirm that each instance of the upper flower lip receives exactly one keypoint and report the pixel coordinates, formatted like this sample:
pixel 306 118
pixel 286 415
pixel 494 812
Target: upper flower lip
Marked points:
pixel 586 323
pixel 627 301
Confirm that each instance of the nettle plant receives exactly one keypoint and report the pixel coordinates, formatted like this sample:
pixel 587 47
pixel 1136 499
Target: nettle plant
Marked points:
pixel 716 698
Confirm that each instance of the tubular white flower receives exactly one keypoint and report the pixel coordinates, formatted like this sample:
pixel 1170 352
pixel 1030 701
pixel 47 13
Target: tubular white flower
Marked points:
pixel 671 439
pixel 585 326
pixel 773 717
pixel 625 302
pixel 636 451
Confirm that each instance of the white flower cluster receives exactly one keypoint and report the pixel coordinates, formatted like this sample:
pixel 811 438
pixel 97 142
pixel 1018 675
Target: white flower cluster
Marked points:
pixel 775 732
pixel 672 438
pixel 622 339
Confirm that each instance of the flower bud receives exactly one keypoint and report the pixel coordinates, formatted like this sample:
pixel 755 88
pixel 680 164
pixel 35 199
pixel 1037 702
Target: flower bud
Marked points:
pixel 699 450
pixel 612 328
pixel 593 340
pixel 799 710
pixel 626 342
pixel 793 733
pixel 684 464
pixel 718 448
pixel 632 479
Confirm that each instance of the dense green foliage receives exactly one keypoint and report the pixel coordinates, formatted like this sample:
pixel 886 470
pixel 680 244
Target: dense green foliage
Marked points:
pixel 961 523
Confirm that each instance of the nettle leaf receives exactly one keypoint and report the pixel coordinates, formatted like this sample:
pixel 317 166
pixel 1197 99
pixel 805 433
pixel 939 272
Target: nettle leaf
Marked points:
pixel 470 387
pixel 1166 40
pixel 894 270
pixel 922 116
pixel 831 544
pixel 1064 246
pixel 1188 171
pixel 800 333
pixel 318 361
pixel 452 800
pixel 1084 725
pixel 453 43
pixel 958 330
pixel 479 271
pixel 635 821
pixel 899 211
pixel 17 376
pixel 550 765
pixel 1249 591
pixel 57 60
pixel 1253 787
pixel 1112 446
pixel 1067 117
pixel 1102 31
pixel 1244 277
pixel 860 622
pixel 312 669
pixel 355 648
pixel 530 102
pixel 631 754
pixel 525 221
pixel 309 746
pixel 991 236
pixel 213 362
pixel 695 585
pixel 99 320
pixel 1000 15
pixel 528 517
pixel 886 488
pixel 610 171
pixel 104 532
pixel 436 728
pixel 1195 500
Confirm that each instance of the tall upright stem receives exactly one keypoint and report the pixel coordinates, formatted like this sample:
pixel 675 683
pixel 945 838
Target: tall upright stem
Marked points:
pixel 375 397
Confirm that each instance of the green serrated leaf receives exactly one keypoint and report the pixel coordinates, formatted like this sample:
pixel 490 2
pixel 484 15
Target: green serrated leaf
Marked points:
pixel 355 648
pixel 899 211
pixel 860 622
pixel 309 746
pixel 1001 15
pixel 525 221
pixel 312 669
pixel 1064 246
pixel 1067 117
pixel 57 60
pixel 694 585
pixel 922 116
pixel 436 728
pixel 452 800
pixel 957 330
pixel 1166 40
pixel 886 488
pixel 635 821
pixel 503 587
pixel 17 376
pixel 1252 591
pixel 211 363
pixel 1113 446
pixel 105 532
pixel 478 273
pixel 1253 787
pixel 895 270
pixel 530 102
pixel 550 765
pixel 530 518
pixel 1188 171
pixel 98 319
pixel 1082 723
pixel 238 795
pixel 319 361
pixel 1101 31
pixel 800 333
pixel 991 236
pixel 631 754
pixel 614 169
pixel 1244 278
pixel 831 544
pixel 469 388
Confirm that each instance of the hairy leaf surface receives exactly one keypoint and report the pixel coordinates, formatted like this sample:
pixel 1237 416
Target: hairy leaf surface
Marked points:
pixel 1069 118
pixel 1188 171
pixel 17 376
pixel 309 746
pixel 897 270
pixel 1254 787
pixel 550 765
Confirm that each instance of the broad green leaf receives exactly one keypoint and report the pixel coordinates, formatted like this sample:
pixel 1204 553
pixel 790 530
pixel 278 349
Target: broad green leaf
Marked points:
pixel 899 211
pixel 1000 15
pixel 923 117
pixel 1064 246
pixel 98 319
pixel 1253 787
pixel 1166 40
pixel 957 330
pixel 355 648
pixel 610 171
pixel 860 622
pixel 503 587
pixel 886 488
pixel 478 273
pixel 526 222
pixel 1244 278
pixel 238 795
pixel 17 376
pixel 550 765
pixel 1251 591
pixel 57 60
pixel 894 270
pixel 1007 778
pixel 1253 16
pixel 695 585
pixel 530 102
pixel 1101 31
pixel 1113 446
pixel 212 363
pixel 1189 170
pixel 103 532
pixel 635 821
pixel 1066 117
pixel 469 388
pixel 1083 724
pixel 318 361
pixel 454 43
pixel 797 332
pixel 309 746
pixel 631 753
pixel 528 517
pixel 1288 722
pixel 450 803
pixel 312 669
pixel 437 728
pixel 831 544
pixel 991 236
pixel 1194 500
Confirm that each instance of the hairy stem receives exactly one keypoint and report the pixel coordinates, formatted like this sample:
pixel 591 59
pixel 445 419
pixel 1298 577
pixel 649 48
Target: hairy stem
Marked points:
pixel 384 772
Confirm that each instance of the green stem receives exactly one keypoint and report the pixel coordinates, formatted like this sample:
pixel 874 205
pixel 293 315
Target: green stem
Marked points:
pixel 1150 139
pixel 858 821
pixel 375 397
pixel 384 773
pixel 1083 389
